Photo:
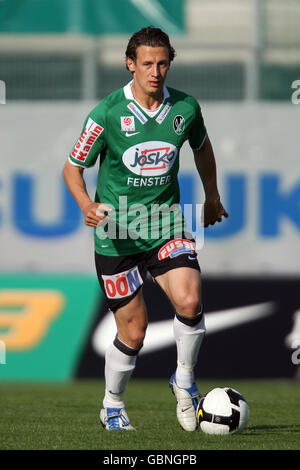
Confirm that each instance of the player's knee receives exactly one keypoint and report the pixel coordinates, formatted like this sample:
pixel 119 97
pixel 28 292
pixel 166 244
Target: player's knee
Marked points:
pixel 188 303
pixel 135 336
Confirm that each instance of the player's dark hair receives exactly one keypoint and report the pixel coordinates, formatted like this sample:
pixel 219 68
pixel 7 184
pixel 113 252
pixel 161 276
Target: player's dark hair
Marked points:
pixel 149 36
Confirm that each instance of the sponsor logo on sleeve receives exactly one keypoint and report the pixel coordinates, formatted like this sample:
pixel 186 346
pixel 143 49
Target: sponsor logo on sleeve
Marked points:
pixel 86 141
pixel 118 286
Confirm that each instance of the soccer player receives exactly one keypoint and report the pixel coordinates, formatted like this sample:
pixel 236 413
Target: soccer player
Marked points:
pixel 137 132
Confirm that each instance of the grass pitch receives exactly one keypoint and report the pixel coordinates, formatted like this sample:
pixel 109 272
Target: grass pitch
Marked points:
pixel 65 417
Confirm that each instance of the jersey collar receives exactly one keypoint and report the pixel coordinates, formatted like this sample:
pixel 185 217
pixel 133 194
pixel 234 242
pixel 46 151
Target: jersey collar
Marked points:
pixel 129 95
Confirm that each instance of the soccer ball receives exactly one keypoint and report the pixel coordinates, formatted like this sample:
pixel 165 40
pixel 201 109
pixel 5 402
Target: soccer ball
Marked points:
pixel 222 411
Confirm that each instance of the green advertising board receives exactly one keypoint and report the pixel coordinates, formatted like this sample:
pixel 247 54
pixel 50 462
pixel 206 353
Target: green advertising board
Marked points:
pixel 44 322
pixel 93 17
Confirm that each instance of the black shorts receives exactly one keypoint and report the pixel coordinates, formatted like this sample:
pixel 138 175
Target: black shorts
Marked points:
pixel 121 277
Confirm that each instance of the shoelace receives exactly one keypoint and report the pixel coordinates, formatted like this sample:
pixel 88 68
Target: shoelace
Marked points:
pixel 113 421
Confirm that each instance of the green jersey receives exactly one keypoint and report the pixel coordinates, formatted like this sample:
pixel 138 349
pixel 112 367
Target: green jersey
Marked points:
pixel 138 153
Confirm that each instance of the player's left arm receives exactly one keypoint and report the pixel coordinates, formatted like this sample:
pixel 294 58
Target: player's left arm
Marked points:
pixel 206 166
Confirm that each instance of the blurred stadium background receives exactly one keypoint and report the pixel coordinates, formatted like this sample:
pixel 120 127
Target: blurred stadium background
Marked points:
pixel 241 60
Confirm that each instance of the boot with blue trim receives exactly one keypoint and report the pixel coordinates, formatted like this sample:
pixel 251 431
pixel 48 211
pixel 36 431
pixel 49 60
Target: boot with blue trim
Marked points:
pixel 115 419
pixel 187 402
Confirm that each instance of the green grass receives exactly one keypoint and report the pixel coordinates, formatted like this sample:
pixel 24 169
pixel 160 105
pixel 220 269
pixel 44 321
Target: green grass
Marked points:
pixel 65 416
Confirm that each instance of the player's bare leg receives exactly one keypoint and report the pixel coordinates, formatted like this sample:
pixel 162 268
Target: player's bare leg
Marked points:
pixel 131 321
pixel 183 287
pixel 120 359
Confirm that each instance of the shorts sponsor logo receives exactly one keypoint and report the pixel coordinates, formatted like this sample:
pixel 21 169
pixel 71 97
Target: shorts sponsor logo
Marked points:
pixel 127 123
pixel 152 158
pixel 122 284
pixel 175 248
pixel 86 141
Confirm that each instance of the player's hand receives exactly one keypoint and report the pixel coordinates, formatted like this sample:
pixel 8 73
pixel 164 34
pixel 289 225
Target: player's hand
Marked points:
pixel 213 212
pixel 95 213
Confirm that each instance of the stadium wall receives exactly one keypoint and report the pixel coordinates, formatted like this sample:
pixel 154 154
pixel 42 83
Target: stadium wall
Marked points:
pixel 52 313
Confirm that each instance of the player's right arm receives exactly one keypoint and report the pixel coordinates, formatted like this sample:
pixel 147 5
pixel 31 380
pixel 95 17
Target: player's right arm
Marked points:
pixel 93 212
pixel 84 155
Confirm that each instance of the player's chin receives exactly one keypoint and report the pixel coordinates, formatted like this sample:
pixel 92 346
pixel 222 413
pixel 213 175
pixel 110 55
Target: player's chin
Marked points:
pixel 155 87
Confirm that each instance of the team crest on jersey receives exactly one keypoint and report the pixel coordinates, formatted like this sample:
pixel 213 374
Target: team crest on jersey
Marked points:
pixel 127 123
pixel 152 158
pixel 179 124
pixel 118 286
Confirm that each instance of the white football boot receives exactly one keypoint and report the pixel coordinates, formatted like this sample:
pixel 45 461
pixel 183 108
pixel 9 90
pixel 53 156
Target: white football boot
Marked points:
pixel 115 419
pixel 187 403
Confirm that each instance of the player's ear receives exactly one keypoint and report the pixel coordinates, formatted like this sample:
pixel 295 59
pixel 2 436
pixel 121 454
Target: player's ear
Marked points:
pixel 130 64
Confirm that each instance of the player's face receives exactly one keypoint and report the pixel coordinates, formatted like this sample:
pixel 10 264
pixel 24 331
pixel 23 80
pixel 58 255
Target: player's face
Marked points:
pixel 150 69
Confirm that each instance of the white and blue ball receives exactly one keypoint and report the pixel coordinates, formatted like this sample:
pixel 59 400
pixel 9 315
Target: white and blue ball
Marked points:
pixel 222 411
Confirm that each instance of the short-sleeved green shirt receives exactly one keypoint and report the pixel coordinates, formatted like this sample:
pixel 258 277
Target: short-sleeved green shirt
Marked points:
pixel 138 154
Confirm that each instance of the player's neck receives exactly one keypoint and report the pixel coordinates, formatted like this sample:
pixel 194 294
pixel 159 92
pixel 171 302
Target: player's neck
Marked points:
pixel 148 101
